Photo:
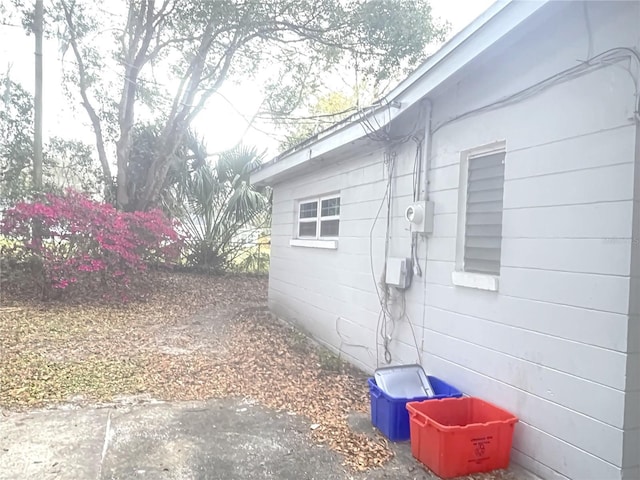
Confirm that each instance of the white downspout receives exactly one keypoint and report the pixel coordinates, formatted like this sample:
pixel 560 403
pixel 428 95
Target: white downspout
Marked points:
pixel 425 194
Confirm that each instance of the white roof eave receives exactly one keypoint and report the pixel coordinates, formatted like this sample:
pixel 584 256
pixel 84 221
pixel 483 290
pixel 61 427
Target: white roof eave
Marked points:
pixel 496 22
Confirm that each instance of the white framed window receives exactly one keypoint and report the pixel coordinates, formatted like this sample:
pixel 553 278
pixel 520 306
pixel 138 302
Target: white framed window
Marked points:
pixel 319 218
pixel 479 241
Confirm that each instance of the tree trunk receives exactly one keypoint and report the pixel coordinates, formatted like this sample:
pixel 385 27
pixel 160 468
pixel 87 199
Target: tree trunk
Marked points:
pixel 122 155
pixel 140 28
pixel 37 140
pixel 38 22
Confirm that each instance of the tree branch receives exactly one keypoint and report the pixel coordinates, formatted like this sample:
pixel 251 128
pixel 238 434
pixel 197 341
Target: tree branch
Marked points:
pixel 176 125
pixel 86 103
pixel 139 41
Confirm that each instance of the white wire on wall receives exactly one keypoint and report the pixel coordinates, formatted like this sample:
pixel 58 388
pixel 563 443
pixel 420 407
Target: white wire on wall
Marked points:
pixel 607 58
pixel 382 133
pixel 386 324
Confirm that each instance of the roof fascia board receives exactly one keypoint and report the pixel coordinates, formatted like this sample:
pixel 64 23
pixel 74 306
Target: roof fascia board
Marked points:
pixel 449 46
pixel 334 140
pixel 456 59
pixel 499 20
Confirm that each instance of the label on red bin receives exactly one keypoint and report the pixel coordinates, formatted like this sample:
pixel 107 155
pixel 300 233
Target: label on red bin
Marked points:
pixel 480 447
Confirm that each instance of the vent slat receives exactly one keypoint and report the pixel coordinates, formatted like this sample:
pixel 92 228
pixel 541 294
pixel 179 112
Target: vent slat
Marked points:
pixel 482 173
pixel 486 196
pixel 485 207
pixel 483 223
pixel 494 218
pixel 486 161
pixel 482 266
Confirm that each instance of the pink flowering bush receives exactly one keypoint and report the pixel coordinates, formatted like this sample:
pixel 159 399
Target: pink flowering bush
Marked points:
pixel 85 244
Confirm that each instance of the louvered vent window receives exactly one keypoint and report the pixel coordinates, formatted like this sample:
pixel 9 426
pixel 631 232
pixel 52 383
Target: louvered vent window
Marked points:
pixel 483 227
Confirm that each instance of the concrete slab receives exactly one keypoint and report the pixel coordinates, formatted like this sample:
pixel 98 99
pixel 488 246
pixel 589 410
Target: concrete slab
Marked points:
pixel 222 439
pixel 60 444
pixel 217 439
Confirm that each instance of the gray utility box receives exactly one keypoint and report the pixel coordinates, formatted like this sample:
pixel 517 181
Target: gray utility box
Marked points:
pixel 399 272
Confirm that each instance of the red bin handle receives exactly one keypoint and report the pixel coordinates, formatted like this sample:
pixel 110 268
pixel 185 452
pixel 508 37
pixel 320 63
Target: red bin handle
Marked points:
pixel 417 417
pixel 420 420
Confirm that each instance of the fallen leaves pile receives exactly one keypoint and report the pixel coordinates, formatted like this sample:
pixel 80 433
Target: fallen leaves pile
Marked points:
pixel 195 338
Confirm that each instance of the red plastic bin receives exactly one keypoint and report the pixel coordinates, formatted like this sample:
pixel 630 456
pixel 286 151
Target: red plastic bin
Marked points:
pixel 459 436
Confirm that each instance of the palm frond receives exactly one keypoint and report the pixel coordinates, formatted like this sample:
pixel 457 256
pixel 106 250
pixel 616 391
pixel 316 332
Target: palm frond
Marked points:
pixel 218 205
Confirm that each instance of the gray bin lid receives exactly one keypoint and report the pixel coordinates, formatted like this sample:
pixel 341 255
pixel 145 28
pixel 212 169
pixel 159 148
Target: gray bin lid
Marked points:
pixel 404 381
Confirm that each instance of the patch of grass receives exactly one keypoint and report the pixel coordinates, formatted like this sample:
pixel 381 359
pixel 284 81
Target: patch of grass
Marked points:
pixel 297 341
pixel 31 379
pixel 329 361
pixel 91 352
pixel 51 352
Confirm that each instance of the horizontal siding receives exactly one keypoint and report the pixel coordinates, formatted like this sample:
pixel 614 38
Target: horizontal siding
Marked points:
pixel 367 300
pixel 444 201
pixel 313 321
pixel 632 410
pixel 603 440
pixel 631 462
pixel 360 227
pixel 597 149
pixel 583 255
pixel 550 344
pixel 442 250
pixel 556 331
pixel 545 366
pixel 333 277
pixel 373 191
pixel 594 291
pixel 633 372
pixel 634 322
pixel 444 178
pixel 603 221
pixel 445 225
pixel 614 111
pixel 438 272
pixel 533 465
pixel 631 473
pixel 368 211
pixel 338 308
pixel 557 454
pixel 631 447
pixel 592 186
pixel 591 327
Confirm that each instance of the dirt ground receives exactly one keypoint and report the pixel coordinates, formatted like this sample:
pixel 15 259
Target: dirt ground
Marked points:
pixel 195 339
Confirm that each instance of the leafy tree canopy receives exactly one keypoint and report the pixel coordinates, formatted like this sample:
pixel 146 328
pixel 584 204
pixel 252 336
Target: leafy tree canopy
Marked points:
pixel 68 163
pixel 321 112
pixel 16 140
pixel 160 61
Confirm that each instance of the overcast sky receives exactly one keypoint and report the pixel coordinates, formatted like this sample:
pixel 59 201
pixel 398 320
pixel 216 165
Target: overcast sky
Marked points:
pixel 220 124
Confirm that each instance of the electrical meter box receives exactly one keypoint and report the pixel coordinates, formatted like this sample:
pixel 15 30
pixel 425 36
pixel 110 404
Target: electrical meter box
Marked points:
pixel 420 217
pixel 399 272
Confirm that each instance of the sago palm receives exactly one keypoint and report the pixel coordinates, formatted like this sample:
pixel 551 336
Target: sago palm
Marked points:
pixel 220 209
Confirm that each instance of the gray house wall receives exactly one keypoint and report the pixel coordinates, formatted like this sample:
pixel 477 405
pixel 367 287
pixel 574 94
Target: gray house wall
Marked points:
pixel 632 400
pixel 557 344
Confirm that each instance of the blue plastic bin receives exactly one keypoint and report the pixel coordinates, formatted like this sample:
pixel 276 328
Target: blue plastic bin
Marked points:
pixel 390 415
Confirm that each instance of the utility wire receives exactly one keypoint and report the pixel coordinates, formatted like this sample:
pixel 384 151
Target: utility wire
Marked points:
pixel 384 327
pixel 602 60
